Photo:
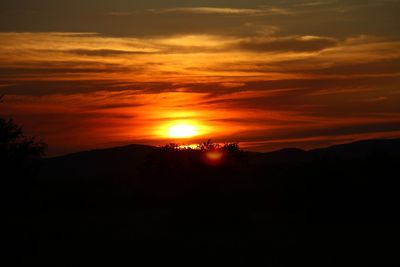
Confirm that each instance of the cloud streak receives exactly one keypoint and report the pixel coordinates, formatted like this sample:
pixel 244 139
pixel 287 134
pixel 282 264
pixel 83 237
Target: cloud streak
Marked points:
pixel 224 11
pixel 291 43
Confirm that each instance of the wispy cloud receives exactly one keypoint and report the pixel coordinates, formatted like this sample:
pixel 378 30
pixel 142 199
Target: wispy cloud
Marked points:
pixel 290 43
pixel 119 13
pixel 224 10
pixel 209 10
pixel 105 52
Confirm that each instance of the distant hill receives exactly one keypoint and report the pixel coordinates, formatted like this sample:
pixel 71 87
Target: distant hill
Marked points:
pixel 126 159
pixel 360 150
pixel 111 161
pixel 351 151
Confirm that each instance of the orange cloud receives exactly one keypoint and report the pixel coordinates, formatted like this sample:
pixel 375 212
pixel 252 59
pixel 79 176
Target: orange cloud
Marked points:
pixel 82 90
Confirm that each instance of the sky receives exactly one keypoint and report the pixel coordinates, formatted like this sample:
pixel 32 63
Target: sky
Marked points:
pixel 268 74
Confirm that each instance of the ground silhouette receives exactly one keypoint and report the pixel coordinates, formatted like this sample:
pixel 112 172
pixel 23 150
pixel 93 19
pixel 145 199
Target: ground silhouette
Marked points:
pixel 142 204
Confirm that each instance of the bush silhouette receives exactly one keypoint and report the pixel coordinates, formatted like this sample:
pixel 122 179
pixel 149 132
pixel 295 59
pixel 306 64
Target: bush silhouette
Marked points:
pixel 18 153
pixel 175 158
pixel 20 157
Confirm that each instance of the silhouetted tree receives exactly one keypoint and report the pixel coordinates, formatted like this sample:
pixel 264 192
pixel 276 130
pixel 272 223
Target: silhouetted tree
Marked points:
pixel 170 146
pixel 19 161
pixel 18 153
pixel 174 158
pixel 207 146
pixel 231 147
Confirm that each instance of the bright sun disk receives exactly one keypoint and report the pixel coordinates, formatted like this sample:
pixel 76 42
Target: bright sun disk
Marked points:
pixel 182 131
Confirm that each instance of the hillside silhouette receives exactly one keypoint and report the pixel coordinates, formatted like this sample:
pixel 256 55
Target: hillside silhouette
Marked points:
pixel 142 204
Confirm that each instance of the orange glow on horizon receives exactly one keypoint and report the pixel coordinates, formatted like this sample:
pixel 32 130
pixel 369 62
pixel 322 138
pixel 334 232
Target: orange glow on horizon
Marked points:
pixel 267 91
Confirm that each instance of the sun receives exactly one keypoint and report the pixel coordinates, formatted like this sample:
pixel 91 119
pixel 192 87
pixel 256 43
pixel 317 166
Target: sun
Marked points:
pixel 185 129
pixel 182 131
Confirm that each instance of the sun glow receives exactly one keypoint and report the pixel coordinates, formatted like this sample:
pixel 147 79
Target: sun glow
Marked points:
pixel 182 131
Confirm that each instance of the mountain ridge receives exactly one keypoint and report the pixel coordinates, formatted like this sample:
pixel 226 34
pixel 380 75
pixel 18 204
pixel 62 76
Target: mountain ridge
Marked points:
pixel 352 149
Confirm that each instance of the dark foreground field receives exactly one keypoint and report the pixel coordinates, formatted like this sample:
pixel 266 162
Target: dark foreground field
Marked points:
pixel 143 205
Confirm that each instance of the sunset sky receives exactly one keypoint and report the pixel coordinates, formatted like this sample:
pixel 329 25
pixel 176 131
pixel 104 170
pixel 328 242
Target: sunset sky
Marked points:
pixel 267 74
